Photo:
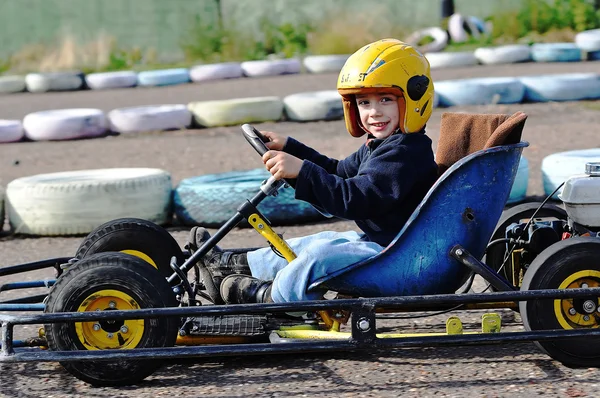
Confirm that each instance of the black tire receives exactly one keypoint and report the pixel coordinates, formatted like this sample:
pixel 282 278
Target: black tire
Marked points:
pixel 134 234
pixel 556 266
pixel 495 254
pixel 117 278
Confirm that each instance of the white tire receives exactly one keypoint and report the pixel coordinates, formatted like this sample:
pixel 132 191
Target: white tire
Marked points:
pixel 236 111
pixel 325 63
pixel 164 77
pixel 65 124
pixel 439 36
pixel 317 105
pixel 460 28
pixel 518 191
pixel 463 92
pixel 11 130
pixel 558 167
pixel 508 54
pixel 561 87
pixel 76 202
pixel 56 81
pixel 451 59
pixel 588 40
pixel 225 70
pixel 271 67
pixel 12 84
pixel 108 80
pixel 149 118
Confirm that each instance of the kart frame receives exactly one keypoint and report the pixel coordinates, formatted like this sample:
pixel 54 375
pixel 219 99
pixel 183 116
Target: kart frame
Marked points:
pixel 361 313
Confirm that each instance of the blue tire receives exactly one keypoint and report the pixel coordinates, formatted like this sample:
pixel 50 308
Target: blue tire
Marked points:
pixel 555 52
pixel 561 87
pixel 164 77
pixel 211 200
pixel 519 188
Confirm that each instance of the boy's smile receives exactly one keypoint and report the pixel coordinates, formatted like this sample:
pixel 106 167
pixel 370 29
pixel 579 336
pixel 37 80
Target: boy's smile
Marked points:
pixel 379 114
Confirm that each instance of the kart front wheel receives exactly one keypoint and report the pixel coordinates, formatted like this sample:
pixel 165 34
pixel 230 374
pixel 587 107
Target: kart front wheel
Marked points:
pixel 568 264
pixel 140 238
pixel 105 282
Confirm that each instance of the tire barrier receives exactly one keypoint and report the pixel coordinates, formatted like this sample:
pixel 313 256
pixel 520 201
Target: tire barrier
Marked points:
pixel 438 35
pixel 301 107
pixel 271 67
pixel 210 200
pixel 65 124
pixel 312 106
pixel 108 80
pixel 507 90
pixel 498 90
pixel 11 131
pixel 461 28
pixel 164 77
pixel 563 87
pixel 588 40
pixel 518 191
pixel 149 118
pixel 12 84
pixel 236 111
pixel 555 52
pixel 508 54
pixel 463 92
pixel 558 167
pixel 56 81
pixel 225 70
pixel 451 59
pixel 324 63
pixel 76 202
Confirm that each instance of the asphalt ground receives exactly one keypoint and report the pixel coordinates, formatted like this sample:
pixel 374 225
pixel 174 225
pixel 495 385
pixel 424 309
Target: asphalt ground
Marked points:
pixel 506 370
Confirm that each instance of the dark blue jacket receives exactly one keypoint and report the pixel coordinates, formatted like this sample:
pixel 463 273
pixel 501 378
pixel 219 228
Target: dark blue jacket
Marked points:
pixel 378 186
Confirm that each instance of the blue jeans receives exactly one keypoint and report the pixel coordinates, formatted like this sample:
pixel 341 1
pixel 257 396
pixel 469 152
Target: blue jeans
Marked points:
pixel 318 255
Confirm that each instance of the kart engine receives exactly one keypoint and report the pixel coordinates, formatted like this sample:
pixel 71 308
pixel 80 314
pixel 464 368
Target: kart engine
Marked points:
pixel 581 198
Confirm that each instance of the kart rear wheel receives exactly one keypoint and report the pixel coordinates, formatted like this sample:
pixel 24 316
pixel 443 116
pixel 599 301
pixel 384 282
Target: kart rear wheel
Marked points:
pixel 495 254
pixel 104 282
pixel 140 238
pixel 568 264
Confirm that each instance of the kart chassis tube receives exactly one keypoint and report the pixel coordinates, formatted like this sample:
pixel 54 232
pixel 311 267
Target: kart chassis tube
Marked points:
pixel 363 313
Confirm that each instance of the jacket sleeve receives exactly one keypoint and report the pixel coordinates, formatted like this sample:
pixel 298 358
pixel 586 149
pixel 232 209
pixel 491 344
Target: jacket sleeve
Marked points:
pixel 345 168
pixel 383 182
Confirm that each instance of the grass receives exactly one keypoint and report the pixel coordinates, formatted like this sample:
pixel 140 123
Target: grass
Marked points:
pixel 336 33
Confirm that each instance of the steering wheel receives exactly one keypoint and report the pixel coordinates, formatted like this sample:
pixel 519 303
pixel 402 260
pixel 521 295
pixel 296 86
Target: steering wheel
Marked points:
pixel 257 140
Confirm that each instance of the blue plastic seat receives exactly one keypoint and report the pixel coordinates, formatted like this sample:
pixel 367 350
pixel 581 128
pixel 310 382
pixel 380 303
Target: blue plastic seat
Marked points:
pixel 462 207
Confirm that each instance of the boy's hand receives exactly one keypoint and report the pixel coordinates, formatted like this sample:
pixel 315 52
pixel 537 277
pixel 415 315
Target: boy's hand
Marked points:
pixel 282 165
pixel 277 141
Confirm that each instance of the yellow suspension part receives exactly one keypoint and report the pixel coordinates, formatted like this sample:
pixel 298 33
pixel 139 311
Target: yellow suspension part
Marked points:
pixel 263 228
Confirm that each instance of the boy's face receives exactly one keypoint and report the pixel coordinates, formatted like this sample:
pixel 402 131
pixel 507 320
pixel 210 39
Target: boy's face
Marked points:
pixel 378 113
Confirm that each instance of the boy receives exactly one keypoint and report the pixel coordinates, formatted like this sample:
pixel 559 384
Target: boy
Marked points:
pixel 387 94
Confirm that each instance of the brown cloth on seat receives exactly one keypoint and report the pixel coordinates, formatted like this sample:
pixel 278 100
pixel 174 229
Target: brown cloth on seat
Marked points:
pixel 462 134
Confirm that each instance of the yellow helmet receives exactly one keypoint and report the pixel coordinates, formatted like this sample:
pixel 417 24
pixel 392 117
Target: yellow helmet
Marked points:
pixel 388 66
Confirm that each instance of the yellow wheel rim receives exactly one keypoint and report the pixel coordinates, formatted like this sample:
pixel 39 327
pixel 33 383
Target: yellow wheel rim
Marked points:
pixel 141 255
pixel 104 335
pixel 565 310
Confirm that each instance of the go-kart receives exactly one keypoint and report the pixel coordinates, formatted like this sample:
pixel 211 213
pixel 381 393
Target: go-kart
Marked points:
pixel 131 297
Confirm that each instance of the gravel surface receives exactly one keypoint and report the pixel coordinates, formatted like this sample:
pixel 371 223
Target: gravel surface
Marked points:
pixel 514 370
